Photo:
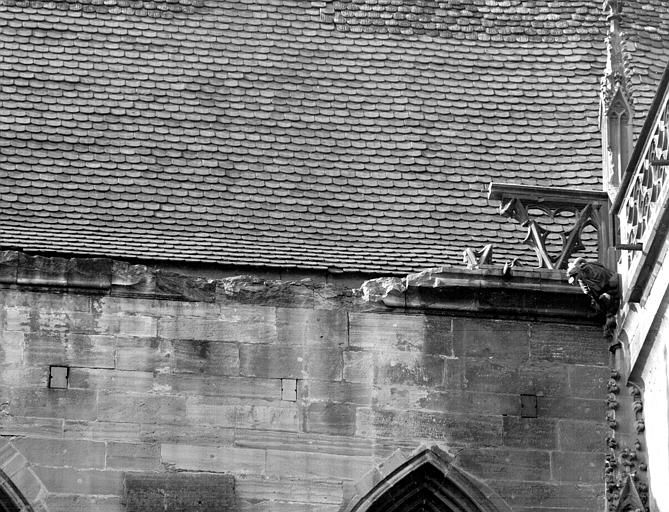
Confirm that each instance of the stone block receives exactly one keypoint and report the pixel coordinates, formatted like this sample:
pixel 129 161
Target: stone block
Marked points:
pixel 11 347
pixel 359 367
pixel 103 430
pixel 292 362
pixel 204 435
pixel 176 492
pixel 588 381
pixel 62 452
pixel 313 465
pixel 41 271
pixel 141 408
pixel 295 490
pixel 530 433
pixel 571 408
pixel 204 385
pixel 70 350
pixel 207 357
pixel 243 324
pixel 89 273
pixel 577 467
pixel 257 291
pixel 15 425
pixel 53 403
pixel 9 264
pixel 111 380
pixel 297 326
pixel 143 354
pixel 505 464
pixel 331 418
pixel 133 456
pixel 471 403
pixel 308 442
pixel 549 496
pixel 496 340
pixel 27 481
pixel 74 503
pixel 455 429
pixel 340 392
pixel 217 459
pixel 213 411
pixel 170 285
pixel 282 416
pixel 138 326
pixel 132 280
pixel 409 368
pixel 81 482
pixel 568 344
pixel 582 436
pixel 373 331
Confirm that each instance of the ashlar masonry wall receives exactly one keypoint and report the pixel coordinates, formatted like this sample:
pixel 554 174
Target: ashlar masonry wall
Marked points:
pixel 296 393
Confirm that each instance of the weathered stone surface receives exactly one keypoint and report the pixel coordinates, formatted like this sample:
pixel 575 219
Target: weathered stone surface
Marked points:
pixel 390 331
pixel 53 403
pixel 331 418
pixel 504 464
pixel 11 347
pixel 132 280
pixel 299 326
pixel 122 430
pixel 204 435
pixel 137 456
pixel 110 380
pixel 588 381
pixel 61 452
pixel 256 291
pixel 42 271
pixel 75 503
pixel 343 392
pixel 148 492
pixel 295 464
pixel 213 458
pixel 571 408
pixel 584 345
pixel 206 357
pixel 70 350
pixel 530 433
pixel 497 339
pixel 577 467
pixel 295 362
pixel 297 490
pixel 15 425
pixel 582 436
pixel 89 273
pixel 144 354
pixel 547 495
pixel 454 429
pixel 472 403
pixel 170 285
pixel 9 264
pixel 81 482
pixel 141 408
pixel 236 324
pixel 384 289
pixel 217 385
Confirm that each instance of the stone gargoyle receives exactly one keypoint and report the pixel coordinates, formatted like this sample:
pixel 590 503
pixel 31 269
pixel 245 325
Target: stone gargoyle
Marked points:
pixel 601 285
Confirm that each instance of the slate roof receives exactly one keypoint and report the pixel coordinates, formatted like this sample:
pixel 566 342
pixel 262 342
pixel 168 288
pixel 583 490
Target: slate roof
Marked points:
pixel 645 26
pixel 354 134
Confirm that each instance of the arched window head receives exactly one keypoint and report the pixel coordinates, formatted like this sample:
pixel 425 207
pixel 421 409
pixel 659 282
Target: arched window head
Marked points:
pixel 11 499
pixel 426 481
pixel 616 139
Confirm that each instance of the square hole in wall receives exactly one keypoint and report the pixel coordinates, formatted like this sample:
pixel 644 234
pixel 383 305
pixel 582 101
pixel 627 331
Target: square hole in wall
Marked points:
pixel 528 406
pixel 58 376
pixel 289 390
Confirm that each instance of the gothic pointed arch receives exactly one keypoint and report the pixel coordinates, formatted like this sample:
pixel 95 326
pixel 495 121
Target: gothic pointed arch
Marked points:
pixel 11 499
pixel 427 481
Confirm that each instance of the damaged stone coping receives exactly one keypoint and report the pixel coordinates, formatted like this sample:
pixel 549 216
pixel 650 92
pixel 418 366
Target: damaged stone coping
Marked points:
pixel 527 292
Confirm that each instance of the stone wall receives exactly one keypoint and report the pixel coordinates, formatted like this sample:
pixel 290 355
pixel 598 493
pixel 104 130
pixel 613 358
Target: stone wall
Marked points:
pixel 295 391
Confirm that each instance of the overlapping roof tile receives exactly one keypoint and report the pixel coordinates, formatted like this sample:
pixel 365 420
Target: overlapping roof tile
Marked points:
pixel 354 134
